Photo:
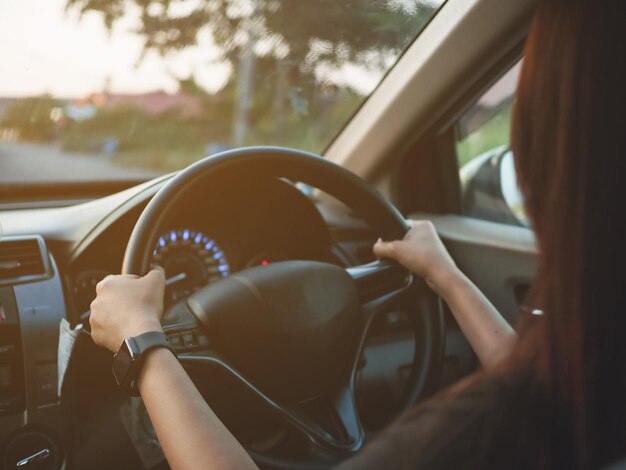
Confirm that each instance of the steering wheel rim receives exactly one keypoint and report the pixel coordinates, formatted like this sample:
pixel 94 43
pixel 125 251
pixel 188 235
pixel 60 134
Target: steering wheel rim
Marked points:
pixel 296 165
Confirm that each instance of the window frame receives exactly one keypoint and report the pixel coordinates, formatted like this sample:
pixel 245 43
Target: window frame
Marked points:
pixel 437 148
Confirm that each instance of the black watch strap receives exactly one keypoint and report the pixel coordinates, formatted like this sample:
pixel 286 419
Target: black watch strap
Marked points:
pixel 144 343
pixel 152 339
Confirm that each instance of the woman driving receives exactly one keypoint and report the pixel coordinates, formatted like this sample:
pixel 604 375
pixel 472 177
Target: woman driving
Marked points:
pixel 556 396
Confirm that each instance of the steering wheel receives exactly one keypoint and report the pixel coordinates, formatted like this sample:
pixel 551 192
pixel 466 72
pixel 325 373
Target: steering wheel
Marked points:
pixel 295 330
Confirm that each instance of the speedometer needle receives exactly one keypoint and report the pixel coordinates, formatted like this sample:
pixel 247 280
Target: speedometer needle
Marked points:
pixel 175 279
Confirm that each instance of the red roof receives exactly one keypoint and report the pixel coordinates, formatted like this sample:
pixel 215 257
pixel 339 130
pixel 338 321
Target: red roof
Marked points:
pixel 157 102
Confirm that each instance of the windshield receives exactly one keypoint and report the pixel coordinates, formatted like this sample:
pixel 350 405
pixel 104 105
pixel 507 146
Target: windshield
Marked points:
pixel 97 90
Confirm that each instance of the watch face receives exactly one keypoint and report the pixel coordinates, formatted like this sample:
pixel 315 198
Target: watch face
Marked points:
pixel 123 360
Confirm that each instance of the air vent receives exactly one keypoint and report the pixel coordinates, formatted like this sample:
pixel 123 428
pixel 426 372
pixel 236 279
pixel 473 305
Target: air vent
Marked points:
pixel 21 259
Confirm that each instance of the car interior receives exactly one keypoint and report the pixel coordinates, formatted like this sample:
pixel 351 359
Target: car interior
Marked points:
pixel 342 343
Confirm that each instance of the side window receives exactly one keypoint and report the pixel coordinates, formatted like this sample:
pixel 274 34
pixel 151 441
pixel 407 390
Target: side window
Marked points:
pixel 488 183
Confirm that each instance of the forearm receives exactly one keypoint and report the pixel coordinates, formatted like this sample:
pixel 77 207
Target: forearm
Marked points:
pixel 489 334
pixel 191 435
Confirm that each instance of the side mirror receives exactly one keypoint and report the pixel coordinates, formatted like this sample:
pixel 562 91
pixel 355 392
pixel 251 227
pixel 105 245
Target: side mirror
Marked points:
pixel 489 188
pixel 510 189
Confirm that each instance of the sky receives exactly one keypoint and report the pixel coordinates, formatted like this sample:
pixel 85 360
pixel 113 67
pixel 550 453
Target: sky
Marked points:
pixel 46 50
pixel 503 88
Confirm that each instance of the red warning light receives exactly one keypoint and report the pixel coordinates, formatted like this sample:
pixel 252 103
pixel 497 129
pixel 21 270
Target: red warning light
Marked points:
pixel 265 262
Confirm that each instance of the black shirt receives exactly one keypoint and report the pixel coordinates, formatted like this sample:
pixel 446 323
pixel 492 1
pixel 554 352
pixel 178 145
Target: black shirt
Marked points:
pixel 479 424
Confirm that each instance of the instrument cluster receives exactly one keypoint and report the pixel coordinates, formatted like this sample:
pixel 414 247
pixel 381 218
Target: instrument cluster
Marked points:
pixel 218 230
pixel 191 260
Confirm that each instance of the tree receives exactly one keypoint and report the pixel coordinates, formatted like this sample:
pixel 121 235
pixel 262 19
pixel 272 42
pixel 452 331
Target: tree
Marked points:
pixel 291 39
pixel 35 118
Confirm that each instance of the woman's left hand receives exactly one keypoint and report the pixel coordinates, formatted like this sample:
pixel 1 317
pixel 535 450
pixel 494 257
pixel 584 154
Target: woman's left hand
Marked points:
pixel 125 306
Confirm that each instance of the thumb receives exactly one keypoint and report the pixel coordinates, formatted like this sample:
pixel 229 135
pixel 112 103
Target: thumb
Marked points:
pixel 384 249
pixel 157 275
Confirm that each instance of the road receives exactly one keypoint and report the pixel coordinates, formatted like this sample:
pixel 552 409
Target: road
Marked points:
pixel 33 163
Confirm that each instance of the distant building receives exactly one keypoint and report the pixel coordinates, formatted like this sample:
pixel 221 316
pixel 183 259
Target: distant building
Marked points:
pixel 153 103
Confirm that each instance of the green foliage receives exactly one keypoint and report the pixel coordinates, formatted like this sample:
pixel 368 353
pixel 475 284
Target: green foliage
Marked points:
pixel 140 138
pixel 33 118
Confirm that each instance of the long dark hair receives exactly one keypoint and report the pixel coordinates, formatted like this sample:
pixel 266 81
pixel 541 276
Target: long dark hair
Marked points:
pixel 569 142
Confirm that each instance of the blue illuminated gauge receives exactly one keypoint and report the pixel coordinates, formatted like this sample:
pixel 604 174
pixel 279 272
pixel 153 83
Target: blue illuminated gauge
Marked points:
pixel 191 260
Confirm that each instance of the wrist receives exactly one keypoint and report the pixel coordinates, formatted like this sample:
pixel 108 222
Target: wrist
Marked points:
pixel 128 362
pixel 143 326
pixel 445 282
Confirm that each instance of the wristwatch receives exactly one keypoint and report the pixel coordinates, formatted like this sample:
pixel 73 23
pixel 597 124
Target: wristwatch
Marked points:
pixel 128 359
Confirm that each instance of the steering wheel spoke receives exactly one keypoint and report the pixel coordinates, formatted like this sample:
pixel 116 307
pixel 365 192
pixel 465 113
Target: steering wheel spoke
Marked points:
pixel 183 329
pixel 381 285
pixel 342 402
pixel 344 405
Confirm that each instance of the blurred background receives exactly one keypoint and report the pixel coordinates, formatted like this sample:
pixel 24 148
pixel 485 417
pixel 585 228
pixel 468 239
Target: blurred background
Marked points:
pixel 110 89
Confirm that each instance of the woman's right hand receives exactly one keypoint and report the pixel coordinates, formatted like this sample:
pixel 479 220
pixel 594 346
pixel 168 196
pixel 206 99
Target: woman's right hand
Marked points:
pixel 126 305
pixel 422 252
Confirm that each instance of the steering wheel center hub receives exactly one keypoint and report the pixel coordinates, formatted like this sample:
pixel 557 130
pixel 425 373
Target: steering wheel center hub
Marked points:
pixel 293 321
